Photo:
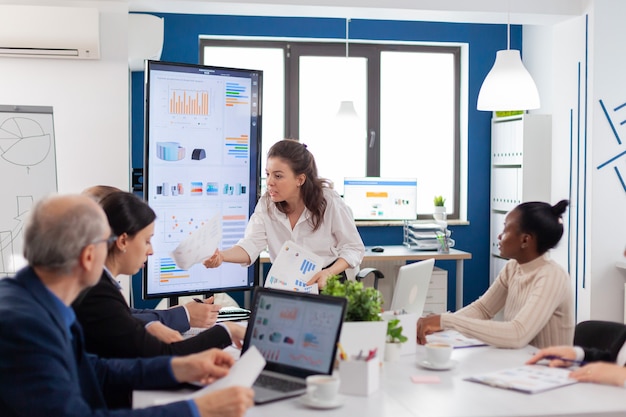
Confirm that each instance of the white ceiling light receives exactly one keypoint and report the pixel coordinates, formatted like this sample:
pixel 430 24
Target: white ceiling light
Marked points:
pixel 346 107
pixel 508 86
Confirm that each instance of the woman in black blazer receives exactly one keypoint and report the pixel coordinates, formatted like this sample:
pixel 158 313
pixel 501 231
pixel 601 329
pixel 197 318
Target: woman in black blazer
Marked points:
pixel 109 327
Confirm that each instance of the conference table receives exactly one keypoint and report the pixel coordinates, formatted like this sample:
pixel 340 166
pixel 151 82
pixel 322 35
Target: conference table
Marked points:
pixel 452 396
pixel 394 253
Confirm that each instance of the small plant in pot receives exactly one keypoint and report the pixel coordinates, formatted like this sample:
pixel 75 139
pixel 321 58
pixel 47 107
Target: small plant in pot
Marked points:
pixel 363 329
pixel 394 340
pixel 364 303
pixel 439 212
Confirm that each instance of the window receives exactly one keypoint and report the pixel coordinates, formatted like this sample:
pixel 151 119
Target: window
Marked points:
pixel 407 98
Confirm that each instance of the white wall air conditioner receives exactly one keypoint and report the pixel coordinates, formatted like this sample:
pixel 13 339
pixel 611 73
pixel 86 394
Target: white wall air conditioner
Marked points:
pixel 49 32
pixel 145 39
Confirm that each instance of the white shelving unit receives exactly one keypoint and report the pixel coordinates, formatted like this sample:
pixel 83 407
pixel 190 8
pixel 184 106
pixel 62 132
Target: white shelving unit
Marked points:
pixel 521 148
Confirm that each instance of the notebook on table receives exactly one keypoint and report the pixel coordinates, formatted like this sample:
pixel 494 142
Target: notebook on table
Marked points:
pixel 411 288
pixel 297 334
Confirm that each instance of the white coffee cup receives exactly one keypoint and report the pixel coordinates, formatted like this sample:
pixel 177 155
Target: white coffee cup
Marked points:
pixel 322 388
pixel 438 353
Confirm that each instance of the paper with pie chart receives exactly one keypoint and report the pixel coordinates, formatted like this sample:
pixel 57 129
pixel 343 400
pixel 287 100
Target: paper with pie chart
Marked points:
pixel 200 245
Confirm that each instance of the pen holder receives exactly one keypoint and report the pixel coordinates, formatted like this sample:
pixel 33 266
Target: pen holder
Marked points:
pixel 359 377
pixel 444 245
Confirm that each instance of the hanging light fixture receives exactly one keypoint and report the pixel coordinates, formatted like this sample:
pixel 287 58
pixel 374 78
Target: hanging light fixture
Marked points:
pixel 346 107
pixel 509 85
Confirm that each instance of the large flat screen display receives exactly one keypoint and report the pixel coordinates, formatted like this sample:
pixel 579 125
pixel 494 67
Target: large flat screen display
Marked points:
pixel 202 142
pixel 375 198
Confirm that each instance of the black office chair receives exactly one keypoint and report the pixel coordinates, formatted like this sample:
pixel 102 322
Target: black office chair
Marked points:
pixel 366 271
pixel 602 335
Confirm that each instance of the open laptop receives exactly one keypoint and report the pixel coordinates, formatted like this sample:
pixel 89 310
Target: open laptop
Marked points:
pixel 412 287
pixel 297 334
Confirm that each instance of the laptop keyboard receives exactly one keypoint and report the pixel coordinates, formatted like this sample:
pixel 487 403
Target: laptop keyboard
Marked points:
pixel 278 384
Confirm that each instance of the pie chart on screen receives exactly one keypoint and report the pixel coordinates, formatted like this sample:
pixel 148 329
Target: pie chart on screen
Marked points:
pixel 23 142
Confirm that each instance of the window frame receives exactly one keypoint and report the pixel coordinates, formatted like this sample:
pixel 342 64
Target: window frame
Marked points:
pixel 293 50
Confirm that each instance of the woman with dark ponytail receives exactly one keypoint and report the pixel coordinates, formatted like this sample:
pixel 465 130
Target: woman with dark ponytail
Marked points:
pixel 533 291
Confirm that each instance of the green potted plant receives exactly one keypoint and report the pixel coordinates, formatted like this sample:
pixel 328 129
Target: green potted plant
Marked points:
pixel 439 212
pixel 363 329
pixel 364 303
pixel 394 340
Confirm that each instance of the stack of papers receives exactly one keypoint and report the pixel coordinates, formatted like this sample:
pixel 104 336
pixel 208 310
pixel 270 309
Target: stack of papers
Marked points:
pixel 232 313
pixel 423 236
pixel 529 379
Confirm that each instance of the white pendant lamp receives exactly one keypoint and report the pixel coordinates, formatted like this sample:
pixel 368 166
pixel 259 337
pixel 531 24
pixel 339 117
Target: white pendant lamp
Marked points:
pixel 508 86
pixel 346 108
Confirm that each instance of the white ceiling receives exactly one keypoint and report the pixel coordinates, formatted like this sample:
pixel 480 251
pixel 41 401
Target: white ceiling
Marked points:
pixel 534 12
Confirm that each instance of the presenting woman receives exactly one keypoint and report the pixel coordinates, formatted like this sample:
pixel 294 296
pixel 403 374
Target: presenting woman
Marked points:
pixel 533 291
pixel 301 207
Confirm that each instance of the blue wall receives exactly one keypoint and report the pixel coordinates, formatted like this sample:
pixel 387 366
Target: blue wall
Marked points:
pixel 181 45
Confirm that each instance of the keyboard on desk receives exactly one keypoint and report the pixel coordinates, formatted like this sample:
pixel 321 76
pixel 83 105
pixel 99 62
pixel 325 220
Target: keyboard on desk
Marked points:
pixel 278 384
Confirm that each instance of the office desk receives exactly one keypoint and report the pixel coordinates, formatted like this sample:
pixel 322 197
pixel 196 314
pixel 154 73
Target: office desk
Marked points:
pixel 452 397
pixel 402 253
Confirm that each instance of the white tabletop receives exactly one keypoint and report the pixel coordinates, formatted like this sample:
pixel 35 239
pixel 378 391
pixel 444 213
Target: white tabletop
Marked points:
pixel 452 396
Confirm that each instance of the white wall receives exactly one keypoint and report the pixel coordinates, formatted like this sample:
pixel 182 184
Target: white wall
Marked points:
pixel 90 103
pixel 606 221
pixel 598 228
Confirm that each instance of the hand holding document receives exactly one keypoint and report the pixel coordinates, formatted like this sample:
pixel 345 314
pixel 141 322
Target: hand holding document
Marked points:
pixel 200 245
pixel 243 374
pixel 292 268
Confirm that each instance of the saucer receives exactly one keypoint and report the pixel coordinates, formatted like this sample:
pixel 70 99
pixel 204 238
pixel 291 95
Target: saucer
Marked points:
pixel 444 367
pixel 323 405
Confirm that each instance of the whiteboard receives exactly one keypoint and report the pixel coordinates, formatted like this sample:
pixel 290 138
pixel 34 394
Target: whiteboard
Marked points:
pixel 27 172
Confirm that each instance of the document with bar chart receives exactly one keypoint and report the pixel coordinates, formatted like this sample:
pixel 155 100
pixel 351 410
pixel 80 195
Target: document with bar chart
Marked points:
pixel 201 172
pixel 292 268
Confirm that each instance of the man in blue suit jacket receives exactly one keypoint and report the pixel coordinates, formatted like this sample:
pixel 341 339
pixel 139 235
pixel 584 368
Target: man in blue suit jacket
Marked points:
pixel 45 371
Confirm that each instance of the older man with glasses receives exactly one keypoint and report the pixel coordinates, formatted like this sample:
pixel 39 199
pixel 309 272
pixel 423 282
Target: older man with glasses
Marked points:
pixel 45 370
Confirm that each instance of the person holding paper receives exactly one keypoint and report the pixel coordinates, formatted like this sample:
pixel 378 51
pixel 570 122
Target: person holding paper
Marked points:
pixel 533 291
pixel 601 371
pixel 110 329
pixel 45 369
pixel 179 318
pixel 301 207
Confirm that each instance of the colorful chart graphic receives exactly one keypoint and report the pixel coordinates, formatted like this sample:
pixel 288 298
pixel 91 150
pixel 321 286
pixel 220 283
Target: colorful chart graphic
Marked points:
pixel 212 188
pixel 168 271
pixel 236 94
pixel 170 151
pixel 302 358
pixel 237 147
pixel 196 188
pixel 189 102
pixel 289 314
pixel 310 341
pixel 306 266
pixel 177 227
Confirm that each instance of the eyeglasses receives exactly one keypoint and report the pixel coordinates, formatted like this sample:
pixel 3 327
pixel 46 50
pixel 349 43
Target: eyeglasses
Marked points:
pixel 109 240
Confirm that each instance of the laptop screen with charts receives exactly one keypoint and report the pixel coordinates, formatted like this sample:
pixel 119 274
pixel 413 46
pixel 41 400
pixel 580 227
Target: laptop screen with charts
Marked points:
pixel 412 287
pixel 297 334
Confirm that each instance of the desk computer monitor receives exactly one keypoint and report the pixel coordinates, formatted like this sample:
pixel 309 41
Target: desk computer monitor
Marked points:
pixel 374 198
pixel 202 160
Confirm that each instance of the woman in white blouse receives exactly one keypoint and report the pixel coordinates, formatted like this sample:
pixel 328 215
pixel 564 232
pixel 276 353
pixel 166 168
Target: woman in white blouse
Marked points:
pixel 301 207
